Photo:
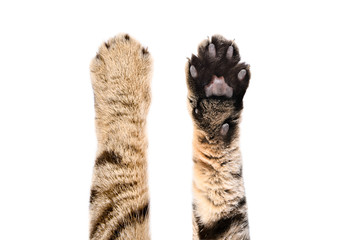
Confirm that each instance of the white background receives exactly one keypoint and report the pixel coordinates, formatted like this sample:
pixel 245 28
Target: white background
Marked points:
pixel 295 130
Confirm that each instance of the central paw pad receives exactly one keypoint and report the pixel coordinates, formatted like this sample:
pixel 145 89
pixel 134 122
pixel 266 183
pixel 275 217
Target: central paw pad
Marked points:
pixel 218 87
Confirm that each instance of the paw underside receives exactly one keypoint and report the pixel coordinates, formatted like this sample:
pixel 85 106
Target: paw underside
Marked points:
pixel 216 72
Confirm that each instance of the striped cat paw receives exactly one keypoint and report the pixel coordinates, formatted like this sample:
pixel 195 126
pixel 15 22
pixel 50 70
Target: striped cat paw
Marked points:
pixel 216 72
pixel 121 73
pixel 119 199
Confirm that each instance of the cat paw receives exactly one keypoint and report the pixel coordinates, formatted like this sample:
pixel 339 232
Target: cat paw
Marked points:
pixel 217 82
pixel 216 72
pixel 121 73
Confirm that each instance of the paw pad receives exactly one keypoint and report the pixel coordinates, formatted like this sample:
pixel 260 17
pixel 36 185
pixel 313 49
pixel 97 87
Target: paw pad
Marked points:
pixel 230 52
pixel 218 87
pixel 224 129
pixel 193 71
pixel 242 74
pixel 212 50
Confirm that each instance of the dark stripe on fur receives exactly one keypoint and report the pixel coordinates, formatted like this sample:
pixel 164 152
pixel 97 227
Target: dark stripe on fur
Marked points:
pixel 115 190
pixel 132 218
pixel 218 228
pixel 238 175
pixel 223 225
pixel 211 157
pixel 101 219
pixel 108 157
pixel 119 188
pixel 241 203
pixel 93 193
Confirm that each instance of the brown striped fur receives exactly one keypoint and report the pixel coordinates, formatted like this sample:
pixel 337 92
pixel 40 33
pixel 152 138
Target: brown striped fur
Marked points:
pixel 219 207
pixel 119 201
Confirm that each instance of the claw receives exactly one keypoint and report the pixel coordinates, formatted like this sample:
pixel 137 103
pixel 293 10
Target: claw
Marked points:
pixel 212 50
pixel 193 71
pixel 230 52
pixel 242 74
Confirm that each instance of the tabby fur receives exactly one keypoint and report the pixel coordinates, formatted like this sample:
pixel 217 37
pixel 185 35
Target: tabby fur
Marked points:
pixel 119 199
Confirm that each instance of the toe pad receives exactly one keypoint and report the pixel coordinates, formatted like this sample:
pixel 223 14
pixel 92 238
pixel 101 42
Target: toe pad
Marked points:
pixel 242 74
